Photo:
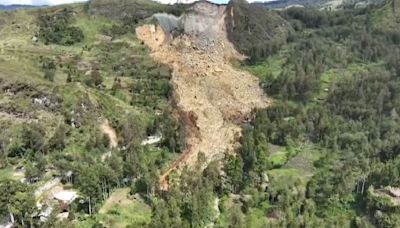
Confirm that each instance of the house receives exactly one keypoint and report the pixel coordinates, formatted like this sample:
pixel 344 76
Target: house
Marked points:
pixel 66 197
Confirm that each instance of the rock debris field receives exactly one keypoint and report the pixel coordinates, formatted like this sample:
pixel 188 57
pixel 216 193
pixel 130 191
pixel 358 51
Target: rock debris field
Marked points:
pixel 212 97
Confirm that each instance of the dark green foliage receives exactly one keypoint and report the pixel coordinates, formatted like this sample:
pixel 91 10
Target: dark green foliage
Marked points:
pixel 55 28
pixel 355 120
pixel 255 31
pixel 189 204
pixel 336 92
pixel 32 173
pixel 94 79
pixel 171 131
pixel 88 183
pixel 150 86
pixel 309 17
pixel 234 170
pixel 17 199
pixel 58 141
pixel 30 142
pixel 49 67
pixel 335 42
pixel 116 30
pixel 366 96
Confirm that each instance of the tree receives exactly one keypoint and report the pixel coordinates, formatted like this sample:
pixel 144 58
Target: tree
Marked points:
pixel 132 131
pixel 31 172
pixel 49 75
pixel 57 142
pixel 236 218
pixel 95 79
pixel 262 163
pixel 114 162
pixel 32 137
pixel 234 171
pixel 49 67
pixel 55 28
pixel 69 77
pixel 17 201
pixel 160 216
pixel 89 185
pixel 212 174
pixel 116 85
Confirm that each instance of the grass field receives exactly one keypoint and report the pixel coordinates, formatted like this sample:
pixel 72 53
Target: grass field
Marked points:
pixel 295 163
pixel 121 210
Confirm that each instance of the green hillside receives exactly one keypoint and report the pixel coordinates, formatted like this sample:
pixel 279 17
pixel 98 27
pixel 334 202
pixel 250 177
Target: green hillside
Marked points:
pixel 63 73
pixel 388 17
pixel 81 98
pixel 254 30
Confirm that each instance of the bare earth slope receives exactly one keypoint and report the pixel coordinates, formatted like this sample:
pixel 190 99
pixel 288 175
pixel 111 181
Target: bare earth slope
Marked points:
pixel 212 97
pixel 110 132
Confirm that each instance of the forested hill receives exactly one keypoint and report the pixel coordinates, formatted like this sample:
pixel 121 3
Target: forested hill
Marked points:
pixel 255 31
pixel 14 7
pixel 89 122
pixel 320 4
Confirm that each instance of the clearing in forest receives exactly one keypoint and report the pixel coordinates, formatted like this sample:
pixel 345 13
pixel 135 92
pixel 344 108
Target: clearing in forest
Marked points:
pixel 121 210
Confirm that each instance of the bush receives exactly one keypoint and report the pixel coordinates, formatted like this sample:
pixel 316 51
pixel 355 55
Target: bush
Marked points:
pixel 54 28
pixel 95 79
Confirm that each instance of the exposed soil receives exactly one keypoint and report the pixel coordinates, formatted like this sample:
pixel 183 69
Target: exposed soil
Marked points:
pixel 17 118
pixel 212 97
pixel 110 132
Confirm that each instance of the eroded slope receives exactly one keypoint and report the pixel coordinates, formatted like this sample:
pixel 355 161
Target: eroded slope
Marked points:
pixel 212 97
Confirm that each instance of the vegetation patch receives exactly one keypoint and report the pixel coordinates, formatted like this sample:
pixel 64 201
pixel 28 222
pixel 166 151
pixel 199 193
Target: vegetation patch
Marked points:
pixel 255 31
pixel 121 209
pixel 55 28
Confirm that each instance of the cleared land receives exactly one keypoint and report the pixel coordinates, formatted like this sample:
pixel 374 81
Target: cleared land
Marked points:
pixel 121 210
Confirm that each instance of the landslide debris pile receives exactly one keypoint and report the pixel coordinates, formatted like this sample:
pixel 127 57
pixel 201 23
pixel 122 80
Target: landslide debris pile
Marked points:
pixel 212 98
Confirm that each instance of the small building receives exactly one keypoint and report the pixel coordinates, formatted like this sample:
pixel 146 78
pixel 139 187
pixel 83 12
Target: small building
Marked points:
pixel 66 197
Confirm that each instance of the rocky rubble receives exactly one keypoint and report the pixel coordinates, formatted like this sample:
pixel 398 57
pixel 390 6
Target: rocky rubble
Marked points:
pixel 212 98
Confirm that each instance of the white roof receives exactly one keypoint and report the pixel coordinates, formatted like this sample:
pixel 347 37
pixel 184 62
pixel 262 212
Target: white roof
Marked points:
pixel 66 196
pixel 151 140
pixel 47 212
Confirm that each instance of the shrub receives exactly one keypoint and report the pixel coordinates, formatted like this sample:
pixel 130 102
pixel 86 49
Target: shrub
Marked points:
pixel 54 28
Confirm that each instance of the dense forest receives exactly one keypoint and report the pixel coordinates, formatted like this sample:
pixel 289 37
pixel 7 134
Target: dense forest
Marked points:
pixel 337 89
pixel 324 154
pixel 335 115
